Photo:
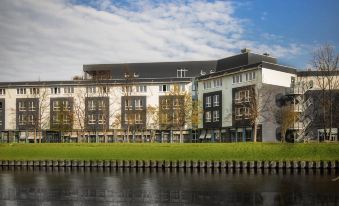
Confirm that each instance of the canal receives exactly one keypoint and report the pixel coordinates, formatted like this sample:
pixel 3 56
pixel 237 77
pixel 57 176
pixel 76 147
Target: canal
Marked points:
pixel 89 186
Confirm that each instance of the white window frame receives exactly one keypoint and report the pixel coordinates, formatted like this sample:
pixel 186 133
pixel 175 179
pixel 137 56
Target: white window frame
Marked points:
pixel 207 84
pixel 31 106
pixel 1 106
pixel 128 104
pixel 216 100
pixel 22 106
pixel 138 104
pixel 91 89
pixel 56 119
pixel 176 103
pixel 21 91
pixel 181 73
pixel 56 106
pixel 238 113
pixel 164 118
pixel 164 88
pixel 208 102
pixel 138 118
pixel 101 105
pixel 246 112
pixel 2 92
pixel 165 104
pixel 91 119
pixel 66 120
pixel 69 90
pixel 247 95
pixel 34 90
pixel 216 116
pixel 21 119
pixel 127 89
pixel 101 119
pixel 237 78
pixel 66 106
pixel 141 88
pixel 30 119
pixel 217 83
pixel 91 105
pixel 208 116
pixel 55 90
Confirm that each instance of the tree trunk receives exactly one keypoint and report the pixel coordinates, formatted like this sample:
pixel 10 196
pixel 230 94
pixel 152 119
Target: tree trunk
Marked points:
pixel 255 128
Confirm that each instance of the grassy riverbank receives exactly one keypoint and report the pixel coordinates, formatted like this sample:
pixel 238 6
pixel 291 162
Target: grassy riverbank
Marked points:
pixel 129 151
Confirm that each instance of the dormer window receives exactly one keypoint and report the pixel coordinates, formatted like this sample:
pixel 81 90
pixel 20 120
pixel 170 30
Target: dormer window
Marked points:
pixel 181 73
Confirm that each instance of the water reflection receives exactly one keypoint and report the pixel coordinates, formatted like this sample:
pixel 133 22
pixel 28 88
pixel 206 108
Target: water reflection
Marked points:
pixel 88 186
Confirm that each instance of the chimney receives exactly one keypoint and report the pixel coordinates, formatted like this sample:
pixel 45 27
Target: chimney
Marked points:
pixel 266 54
pixel 245 50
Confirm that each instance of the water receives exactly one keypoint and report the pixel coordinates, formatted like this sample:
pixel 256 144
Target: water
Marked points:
pixel 74 186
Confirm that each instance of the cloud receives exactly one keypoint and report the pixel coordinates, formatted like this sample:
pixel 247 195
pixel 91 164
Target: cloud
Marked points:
pixel 51 40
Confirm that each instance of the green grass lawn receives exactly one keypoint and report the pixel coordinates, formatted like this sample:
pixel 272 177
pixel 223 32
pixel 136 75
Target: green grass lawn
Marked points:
pixel 130 151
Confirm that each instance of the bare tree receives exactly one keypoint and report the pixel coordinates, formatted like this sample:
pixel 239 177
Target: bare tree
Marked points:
pixel 325 65
pixel 259 104
pixel 286 117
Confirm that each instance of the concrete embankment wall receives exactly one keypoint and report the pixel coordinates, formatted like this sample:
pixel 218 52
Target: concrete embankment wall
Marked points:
pixel 173 164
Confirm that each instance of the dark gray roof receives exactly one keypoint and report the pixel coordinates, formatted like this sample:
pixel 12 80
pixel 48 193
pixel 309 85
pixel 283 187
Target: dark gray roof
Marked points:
pixel 267 65
pixel 153 69
pixel 243 59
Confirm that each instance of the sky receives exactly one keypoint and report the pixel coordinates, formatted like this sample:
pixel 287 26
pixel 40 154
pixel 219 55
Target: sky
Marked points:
pixel 53 39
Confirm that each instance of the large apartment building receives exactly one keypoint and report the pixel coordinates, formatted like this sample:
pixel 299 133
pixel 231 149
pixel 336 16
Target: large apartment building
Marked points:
pixel 228 100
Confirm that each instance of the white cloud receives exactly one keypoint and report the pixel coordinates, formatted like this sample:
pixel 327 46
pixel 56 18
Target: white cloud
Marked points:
pixel 53 39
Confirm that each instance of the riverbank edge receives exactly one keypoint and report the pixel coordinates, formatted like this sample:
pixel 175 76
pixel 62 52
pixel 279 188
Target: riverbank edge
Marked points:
pixel 228 164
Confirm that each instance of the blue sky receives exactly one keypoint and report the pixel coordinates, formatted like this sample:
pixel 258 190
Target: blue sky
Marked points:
pixel 52 39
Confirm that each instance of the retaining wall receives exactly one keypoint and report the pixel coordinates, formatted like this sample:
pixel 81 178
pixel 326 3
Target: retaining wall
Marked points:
pixel 174 164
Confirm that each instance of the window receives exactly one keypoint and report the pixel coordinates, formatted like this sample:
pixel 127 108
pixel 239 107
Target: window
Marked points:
pixel 21 119
pixel 176 118
pixel 164 118
pixel 21 91
pixel 34 90
pixel 181 73
pixel 91 119
pixel 237 78
pixel 141 88
pixel 31 106
pixel 208 101
pixel 138 119
pixel 69 90
pixel 103 89
pixel 138 104
pixel 101 119
pixel 164 88
pixel 216 100
pixel 179 88
pixel 165 103
pixel 66 119
pixel 101 105
pixel 56 106
pixel 66 106
pixel 208 116
pixel 250 76
pixel 247 95
pixel 1 106
pixel 217 82
pixel 246 111
pixel 216 116
pixel 31 119
pixel 128 104
pixel 176 103
pixel 238 113
pixel 2 91
pixel 207 84
pixel 55 90
pixel 127 89
pixel 22 106
pixel 56 119
pixel 237 97
pixel 91 105
pixel 91 89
